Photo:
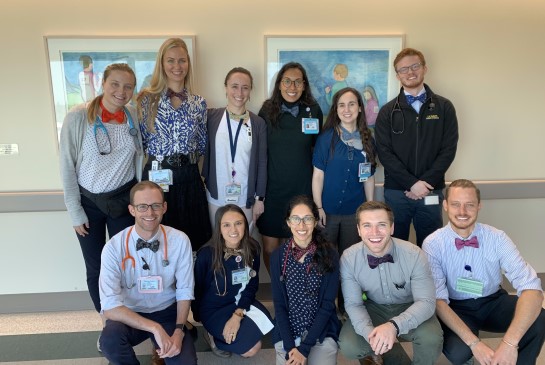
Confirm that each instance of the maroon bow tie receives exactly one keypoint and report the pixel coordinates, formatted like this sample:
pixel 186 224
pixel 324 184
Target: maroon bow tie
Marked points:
pixel 375 261
pixel 181 95
pixel 472 242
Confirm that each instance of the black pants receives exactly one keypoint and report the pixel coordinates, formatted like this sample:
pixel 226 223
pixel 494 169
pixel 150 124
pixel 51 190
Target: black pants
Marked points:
pixel 93 243
pixel 493 313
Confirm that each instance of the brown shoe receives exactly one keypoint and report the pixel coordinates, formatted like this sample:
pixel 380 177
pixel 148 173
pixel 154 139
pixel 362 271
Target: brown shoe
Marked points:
pixel 372 360
pixel 155 359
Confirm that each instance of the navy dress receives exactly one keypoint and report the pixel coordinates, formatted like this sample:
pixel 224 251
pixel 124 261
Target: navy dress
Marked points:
pixel 214 309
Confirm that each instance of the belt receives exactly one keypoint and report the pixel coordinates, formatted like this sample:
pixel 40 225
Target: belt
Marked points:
pixel 180 159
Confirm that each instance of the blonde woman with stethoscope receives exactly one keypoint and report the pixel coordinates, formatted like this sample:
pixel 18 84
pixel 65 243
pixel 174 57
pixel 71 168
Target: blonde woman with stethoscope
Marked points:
pixel 100 160
pixel 226 282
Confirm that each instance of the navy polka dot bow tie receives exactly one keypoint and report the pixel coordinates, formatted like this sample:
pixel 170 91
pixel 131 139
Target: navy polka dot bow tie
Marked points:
pixel 375 261
pixel 472 242
pixel 153 245
pixel 411 99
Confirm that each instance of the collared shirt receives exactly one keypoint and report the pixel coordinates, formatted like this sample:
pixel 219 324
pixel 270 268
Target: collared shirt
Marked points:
pixel 181 130
pixel 496 253
pixel 417 103
pixel 177 276
pixel 342 191
pixel 407 280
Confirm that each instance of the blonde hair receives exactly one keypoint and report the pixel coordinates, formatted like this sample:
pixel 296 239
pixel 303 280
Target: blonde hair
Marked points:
pixel 159 82
pixel 94 106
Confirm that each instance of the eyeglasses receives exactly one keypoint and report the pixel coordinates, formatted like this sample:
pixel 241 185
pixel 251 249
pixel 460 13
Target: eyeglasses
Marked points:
pixel 413 67
pixel 307 220
pixel 144 207
pixel 298 83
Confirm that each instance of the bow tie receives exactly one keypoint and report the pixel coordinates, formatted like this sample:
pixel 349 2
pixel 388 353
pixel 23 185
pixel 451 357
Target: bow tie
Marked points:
pixel 294 110
pixel 153 245
pixel 472 242
pixel 118 116
pixel 375 261
pixel 411 99
pixel 347 136
pixel 181 95
pixel 299 252
pixel 228 252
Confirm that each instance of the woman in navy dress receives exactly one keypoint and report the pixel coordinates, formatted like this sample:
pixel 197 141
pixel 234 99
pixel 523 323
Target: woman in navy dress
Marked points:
pixel 305 280
pixel 226 282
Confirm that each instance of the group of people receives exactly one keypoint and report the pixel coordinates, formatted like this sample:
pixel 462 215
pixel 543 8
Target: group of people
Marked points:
pixel 309 188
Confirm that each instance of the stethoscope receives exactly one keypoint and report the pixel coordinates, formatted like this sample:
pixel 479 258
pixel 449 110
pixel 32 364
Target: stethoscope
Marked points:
pixel 100 126
pixel 129 257
pixel 397 109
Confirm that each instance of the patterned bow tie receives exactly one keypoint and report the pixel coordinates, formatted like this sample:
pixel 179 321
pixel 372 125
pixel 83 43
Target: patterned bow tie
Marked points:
pixel 472 242
pixel 153 245
pixel 181 95
pixel 118 116
pixel 411 99
pixel 299 252
pixel 375 261
pixel 294 110
pixel 228 252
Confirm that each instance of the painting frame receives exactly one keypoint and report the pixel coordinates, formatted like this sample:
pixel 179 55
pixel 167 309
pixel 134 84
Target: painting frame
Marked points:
pixel 66 53
pixel 323 53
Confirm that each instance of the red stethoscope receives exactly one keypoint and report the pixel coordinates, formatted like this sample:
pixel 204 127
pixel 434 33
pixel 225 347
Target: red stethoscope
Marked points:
pixel 129 257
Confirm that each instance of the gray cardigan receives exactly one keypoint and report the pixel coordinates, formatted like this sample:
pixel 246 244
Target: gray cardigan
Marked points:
pixel 71 142
pixel 257 174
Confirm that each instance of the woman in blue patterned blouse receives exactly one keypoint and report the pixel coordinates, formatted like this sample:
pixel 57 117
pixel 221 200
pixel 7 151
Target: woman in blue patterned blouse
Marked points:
pixel 173 123
pixel 305 280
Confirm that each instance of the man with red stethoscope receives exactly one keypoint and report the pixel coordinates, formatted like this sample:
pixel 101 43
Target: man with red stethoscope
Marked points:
pixel 146 284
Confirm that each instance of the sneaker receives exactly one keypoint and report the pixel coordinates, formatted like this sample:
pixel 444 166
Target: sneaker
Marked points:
pixel 98 344
pixel 210 341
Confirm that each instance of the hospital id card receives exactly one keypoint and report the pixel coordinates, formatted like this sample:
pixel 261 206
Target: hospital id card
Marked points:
pixel 240 276
pixel 364 171
pixel 470 286
pixel 150 284
pixel 310 126
pixel 163 178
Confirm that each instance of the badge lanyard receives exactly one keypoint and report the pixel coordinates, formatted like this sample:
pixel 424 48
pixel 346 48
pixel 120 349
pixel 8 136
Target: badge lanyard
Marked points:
pixel 233 144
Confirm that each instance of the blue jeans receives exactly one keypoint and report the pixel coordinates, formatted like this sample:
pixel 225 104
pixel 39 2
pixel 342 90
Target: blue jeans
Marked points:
pixel 93 243
pixel 425 218
pixel 117 339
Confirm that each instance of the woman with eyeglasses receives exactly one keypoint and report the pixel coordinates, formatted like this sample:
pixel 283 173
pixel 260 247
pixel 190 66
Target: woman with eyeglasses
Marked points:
pixel 305 281
pixel 101 159
pixel 344 165
pixel 226 282
pixel 294 119
pixel 235 162
pixel 173 124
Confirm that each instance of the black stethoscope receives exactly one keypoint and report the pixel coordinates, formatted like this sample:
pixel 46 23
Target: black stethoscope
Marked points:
pixel 129 257
pixel 397 109
pixel 99 126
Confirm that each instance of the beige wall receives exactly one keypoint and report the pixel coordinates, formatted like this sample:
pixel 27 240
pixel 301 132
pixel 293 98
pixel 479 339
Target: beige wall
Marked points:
pixel 486 56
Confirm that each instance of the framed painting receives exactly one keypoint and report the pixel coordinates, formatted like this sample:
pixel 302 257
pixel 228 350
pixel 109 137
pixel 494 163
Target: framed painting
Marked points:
pixel 334 62
pixel 76 65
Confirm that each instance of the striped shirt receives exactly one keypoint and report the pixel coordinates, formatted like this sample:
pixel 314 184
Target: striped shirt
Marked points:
pixel 496 253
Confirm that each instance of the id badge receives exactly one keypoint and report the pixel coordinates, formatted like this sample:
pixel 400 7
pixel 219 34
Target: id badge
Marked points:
pixel 310 126
pixel 163 176
pixel 232 193
pixel 432 199
pixel 364 171
pixel 150 284
pixel 240 276
pixel 470 286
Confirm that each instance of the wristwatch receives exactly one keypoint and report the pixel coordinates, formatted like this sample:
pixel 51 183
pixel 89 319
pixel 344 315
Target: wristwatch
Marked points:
pixel 180 326
pixel 260 198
